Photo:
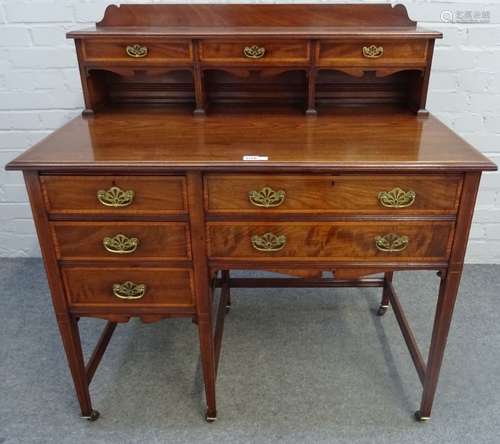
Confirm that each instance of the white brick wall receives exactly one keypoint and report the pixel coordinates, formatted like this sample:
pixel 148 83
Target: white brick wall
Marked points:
pixel 40 90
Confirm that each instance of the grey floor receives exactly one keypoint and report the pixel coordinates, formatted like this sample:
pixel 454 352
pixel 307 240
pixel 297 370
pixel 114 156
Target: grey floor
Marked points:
pixel 298 366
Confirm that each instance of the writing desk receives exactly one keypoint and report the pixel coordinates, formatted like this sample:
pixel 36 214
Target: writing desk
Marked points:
pixel 319 161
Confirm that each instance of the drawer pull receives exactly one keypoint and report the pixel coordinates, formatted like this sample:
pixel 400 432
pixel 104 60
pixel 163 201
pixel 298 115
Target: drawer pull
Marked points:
pixel 120 244
pixel 115 197
pixel 268 242
pixel 129 290
pixel 267 197
pixel 391 242
pixel 254 52
pixel 397 198
pixel 137 51
pixel 373 51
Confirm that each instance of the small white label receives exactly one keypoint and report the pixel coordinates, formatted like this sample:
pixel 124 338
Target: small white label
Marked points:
pixel 255 158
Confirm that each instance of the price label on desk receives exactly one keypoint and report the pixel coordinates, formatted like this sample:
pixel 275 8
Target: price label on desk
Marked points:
pixel 255 157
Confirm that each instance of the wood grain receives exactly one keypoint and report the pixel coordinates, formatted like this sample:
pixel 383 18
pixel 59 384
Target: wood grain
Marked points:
pixel 378 139
pixel 165 287
pixel 333 194
pixel 114 50
pixel 77 195
pixel 157 241
pixel 343 241
pixel 231 51
pixel 396 52
pixel 252 15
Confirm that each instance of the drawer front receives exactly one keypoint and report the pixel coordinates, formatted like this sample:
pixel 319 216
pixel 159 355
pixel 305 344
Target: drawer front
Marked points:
pixel 380 194
pixel 121 240
pixel 255 51
pixel 373 53
pixel 137 52
pixel 114 195
pixel 129 286
pixel 339 241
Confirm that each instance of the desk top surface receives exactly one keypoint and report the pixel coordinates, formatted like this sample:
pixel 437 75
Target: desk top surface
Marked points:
pixel 137 139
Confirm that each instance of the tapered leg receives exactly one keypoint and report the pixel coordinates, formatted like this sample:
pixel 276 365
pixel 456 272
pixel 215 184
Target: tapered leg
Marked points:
pixel 226 288
pixel 444 311
pixel 208 364
pixel 384 304
pixel 203 289
pixel 70 334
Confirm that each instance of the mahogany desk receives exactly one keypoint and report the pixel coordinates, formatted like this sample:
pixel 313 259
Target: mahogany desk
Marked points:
pixel 142 209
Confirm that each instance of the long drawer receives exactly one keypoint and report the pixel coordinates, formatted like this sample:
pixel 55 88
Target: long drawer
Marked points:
pixel 371 194
pixel 129 286
pixel 121 240
pixel 342 241
pixel 114 195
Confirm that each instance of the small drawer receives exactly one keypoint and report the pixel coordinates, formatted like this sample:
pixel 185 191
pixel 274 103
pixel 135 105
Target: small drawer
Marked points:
pixel 370 194
pixel 129 286
pixel 334 241
pixel 114 195
pixel 137 51
pixel 373 53
pixel 121 240
pixel 255 51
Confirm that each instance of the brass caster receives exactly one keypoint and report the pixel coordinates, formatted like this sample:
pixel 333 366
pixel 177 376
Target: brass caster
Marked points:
pixel 382 309
pixel 94 414
pixel 210 417
pixel 420 418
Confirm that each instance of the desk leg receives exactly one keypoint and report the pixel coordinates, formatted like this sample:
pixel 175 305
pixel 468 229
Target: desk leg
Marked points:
pixel 68 326
pixel 384 304
pixel 226 289
pixel 450 280
pixel 70 334
pixel 203 292
pixel 444 311
pixel 208 364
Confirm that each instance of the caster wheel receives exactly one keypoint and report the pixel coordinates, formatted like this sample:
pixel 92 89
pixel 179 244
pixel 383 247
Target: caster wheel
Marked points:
pixel 228 309
pixel 210 417
pixel 382 309
pixel 94 414
pixel 421 418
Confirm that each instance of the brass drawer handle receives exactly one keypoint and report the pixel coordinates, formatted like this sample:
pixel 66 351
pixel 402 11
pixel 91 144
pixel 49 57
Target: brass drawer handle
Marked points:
pixel 120 244
pixel 267 197
pixel 373 51
pixel 391 242
pixel 137 51
pixel 397 198
pixel 268 242
pixel 115 197
pixel 254 52
pixel 129 290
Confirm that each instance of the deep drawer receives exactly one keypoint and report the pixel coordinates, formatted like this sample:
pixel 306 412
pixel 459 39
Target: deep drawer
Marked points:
pixel 129 286
pixel 114 195
pixel 376 194
pixel 255 51
pixel 339 241
pixel 121 240
pixel 373 53
pixel 137 51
